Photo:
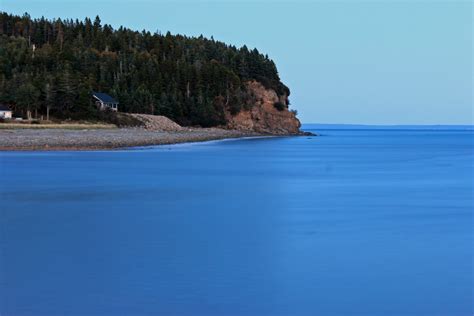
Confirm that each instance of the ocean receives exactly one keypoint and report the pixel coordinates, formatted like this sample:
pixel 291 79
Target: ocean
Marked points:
pixel 356 221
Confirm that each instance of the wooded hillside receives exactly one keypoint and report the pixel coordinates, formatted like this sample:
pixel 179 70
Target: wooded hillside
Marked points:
pixel 58 63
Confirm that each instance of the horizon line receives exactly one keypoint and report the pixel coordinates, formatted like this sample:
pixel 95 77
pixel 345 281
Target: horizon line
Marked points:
pixel 376 124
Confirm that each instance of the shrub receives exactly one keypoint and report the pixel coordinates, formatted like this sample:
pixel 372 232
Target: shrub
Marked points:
pixel 279 106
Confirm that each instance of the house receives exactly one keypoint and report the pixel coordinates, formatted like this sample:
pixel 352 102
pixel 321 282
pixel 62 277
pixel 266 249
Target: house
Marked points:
pixel 5 112
pixel 105 101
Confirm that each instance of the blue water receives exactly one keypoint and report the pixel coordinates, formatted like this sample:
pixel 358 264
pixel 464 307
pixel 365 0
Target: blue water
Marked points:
pixel 354 222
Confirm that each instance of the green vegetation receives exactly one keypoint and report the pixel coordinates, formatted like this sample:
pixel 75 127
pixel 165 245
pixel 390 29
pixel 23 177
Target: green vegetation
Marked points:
pixel 279 106
pixel 53 66
pixel 74 126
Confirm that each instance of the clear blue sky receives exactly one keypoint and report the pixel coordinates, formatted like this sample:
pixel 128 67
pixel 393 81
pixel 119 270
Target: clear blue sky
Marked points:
pixel 367 62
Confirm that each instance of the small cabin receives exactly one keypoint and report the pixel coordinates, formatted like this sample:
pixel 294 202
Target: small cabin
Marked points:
pixel 105 101
pixel 5 112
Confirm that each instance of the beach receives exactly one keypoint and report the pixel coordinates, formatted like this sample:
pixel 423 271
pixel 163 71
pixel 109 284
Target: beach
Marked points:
pixel 93 139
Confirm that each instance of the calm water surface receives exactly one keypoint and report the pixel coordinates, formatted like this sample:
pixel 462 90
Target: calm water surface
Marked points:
pixel 355 222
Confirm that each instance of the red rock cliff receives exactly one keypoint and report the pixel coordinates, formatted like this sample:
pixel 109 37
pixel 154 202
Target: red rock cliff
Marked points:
pixel 263 117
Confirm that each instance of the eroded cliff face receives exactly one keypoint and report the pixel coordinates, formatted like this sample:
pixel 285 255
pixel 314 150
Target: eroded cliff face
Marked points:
pixel 263 117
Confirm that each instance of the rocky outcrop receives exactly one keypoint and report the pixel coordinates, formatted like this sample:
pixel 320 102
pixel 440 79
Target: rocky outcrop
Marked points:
pixel 157 122
pixel 264 117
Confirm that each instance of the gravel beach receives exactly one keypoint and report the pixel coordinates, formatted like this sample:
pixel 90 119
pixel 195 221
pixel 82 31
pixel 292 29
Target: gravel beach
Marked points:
pixel 92 139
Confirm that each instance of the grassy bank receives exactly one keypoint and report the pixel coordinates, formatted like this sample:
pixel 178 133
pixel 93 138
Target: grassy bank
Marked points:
pixel 68 126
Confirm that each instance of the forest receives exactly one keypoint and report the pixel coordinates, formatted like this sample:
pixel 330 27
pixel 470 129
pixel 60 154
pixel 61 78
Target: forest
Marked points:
pixel 52 66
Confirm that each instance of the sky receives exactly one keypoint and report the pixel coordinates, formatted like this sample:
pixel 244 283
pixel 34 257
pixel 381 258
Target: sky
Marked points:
pixel 346 62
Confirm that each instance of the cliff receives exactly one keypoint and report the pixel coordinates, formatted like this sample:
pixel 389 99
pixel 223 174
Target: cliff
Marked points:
pixel 263 116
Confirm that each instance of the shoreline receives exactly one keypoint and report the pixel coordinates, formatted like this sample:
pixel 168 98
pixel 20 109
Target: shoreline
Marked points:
pixel 200 142
pixel 108 139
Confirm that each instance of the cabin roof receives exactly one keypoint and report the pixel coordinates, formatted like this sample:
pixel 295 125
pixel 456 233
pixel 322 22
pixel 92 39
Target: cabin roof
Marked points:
pixel 104 97
pixel 4 107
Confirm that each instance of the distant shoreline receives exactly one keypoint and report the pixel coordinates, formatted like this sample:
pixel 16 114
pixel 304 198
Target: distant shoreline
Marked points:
pixel 106 139
pixel 321 126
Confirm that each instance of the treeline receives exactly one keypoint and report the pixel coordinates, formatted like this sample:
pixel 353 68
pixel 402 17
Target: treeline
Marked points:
pixel 54 65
